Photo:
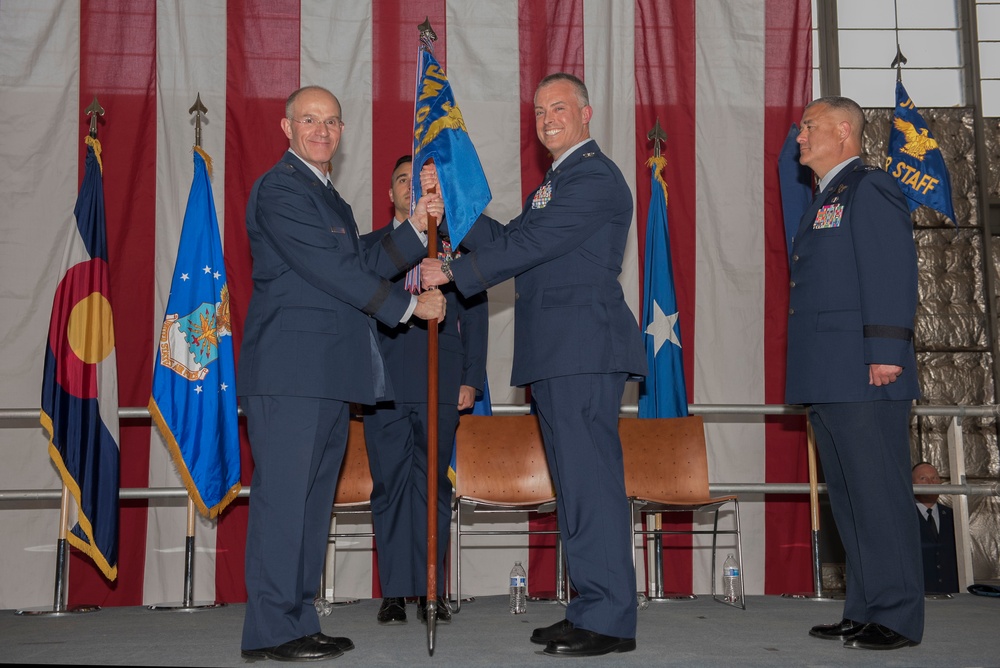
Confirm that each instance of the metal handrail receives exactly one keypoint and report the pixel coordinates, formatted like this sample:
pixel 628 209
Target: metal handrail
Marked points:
pixel 991 488
pixel 956 453
pixel 992 410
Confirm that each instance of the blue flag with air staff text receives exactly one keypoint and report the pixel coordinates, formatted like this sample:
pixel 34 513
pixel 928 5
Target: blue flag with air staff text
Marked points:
pixel 194 381
pixel 662 393
pixel 915 159
pixel 439 132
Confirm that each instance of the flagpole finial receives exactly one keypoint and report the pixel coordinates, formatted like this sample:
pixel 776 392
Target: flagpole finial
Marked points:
pixel 898 63
pixel 198 108
pixel 657 135
pixel 94 110
pixel 427 34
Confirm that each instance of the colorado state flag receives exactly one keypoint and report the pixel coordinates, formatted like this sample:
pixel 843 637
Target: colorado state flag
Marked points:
pixel 80 377
pixel 194 387
pixel 662 394
pixel 439 132
pixel 915 159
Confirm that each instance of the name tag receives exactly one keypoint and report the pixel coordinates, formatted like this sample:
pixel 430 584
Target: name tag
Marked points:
pixel 829 216
pixel 542 196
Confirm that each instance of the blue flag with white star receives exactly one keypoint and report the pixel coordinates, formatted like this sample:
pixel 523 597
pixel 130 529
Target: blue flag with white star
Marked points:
pixel 915 159
pixel 662 394
pixel 194 381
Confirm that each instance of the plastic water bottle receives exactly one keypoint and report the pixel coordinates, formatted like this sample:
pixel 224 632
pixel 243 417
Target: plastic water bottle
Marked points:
pixel 518 590
pixel 730 580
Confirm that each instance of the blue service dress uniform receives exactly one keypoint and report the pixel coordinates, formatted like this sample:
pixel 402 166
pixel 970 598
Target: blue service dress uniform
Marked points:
pixel 576 343
pixel 852 303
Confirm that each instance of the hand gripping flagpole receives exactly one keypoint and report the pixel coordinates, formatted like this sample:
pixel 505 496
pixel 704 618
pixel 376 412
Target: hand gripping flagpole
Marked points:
pixel 188 603
pixel 427 37
pixel 59 607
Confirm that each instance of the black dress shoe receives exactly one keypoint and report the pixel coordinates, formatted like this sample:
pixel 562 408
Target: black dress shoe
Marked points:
pixel 300 649
pixel 844 630
pixel 876 636
pixel 543 635
pixel 343 644
pixel 443 610
pixel 393 610
pixel 581 642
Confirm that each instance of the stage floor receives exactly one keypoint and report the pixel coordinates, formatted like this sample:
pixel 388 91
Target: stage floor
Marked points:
pixel 963 631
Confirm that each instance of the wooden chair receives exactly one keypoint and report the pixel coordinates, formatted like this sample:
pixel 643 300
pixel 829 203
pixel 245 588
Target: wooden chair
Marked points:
pixel 353 496
pixel 666 470
pixel 500 467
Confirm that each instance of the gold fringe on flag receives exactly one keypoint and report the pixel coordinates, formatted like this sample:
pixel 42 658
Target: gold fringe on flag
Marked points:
pixel 208 159
pixel 92 141
pixel 182 469
pixel 659 162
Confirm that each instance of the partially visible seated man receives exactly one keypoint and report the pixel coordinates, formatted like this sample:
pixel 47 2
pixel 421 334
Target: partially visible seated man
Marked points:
pixel 937 535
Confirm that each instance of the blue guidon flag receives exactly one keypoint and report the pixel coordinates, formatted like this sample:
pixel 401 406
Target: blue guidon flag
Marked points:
pixel 915 159
pixel 439 132
pixel 80 377
pixel 193 400
pixel 482 406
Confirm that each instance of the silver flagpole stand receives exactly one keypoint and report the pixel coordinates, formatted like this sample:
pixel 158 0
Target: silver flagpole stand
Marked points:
pixel 188 604
pixel 59 608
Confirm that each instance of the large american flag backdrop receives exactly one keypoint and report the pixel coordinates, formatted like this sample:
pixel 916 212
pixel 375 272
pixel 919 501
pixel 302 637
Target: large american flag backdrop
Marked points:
pixel 725 79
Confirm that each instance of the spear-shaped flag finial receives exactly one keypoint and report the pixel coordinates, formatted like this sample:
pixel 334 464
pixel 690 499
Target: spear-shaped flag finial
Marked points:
pixel 94 110
pixel 198 108
pixel 657 136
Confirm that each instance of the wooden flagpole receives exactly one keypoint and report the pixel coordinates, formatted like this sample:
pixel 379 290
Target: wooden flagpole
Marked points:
pixel 426 37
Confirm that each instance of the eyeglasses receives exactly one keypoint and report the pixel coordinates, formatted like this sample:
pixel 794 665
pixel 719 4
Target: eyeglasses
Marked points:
pixel 331 123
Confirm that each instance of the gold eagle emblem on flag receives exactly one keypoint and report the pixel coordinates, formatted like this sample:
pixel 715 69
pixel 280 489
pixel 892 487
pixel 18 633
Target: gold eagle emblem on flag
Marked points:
pixel 917 141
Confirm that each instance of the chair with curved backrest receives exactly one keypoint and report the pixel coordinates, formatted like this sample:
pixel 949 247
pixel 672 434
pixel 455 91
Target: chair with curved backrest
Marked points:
pixel 666 470
pixel 353 495
pixel 500 467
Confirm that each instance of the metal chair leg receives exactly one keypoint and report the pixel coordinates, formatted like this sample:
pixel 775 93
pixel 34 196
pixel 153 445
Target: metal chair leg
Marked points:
pixel 458 560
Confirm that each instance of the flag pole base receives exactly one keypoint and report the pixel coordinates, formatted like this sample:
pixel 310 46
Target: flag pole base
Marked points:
pixel 814 596
pixel 49 612
pixel 180 606
pixel 325 606
pixel 669 596
pixel 431 625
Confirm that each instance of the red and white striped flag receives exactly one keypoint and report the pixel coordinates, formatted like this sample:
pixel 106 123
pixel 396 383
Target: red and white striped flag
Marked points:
pixel 725 80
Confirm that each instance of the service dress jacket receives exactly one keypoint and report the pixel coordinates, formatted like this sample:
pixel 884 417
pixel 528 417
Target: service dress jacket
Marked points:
pixel 565 253
pixel 317 292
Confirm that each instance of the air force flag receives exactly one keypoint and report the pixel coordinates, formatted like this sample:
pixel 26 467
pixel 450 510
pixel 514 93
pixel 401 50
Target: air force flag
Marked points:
pixel 194 382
